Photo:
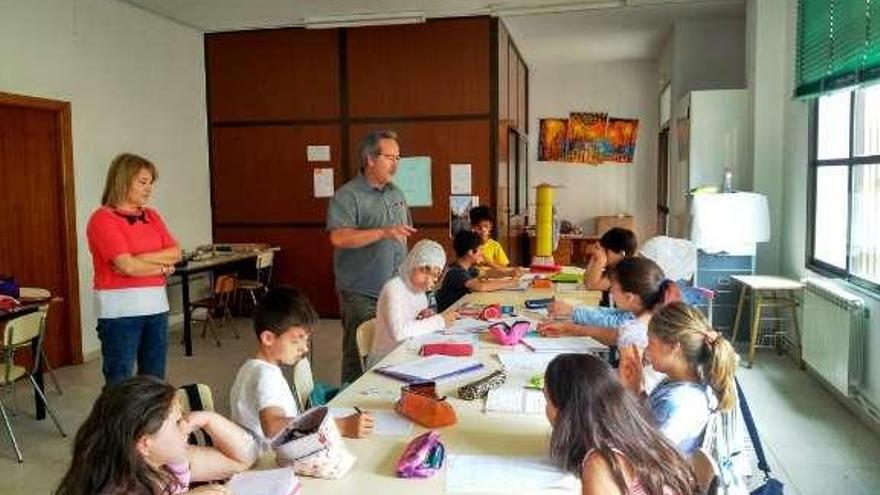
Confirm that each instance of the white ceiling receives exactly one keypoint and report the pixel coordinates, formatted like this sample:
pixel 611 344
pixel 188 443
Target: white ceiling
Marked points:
pixel 631 33
pixel 545 30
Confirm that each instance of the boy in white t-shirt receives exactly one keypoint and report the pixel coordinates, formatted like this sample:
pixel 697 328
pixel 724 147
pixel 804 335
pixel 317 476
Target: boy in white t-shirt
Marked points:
pixel 261 399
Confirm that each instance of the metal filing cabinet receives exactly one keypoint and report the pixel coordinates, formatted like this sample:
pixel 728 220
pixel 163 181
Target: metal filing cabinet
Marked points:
pixel 714 272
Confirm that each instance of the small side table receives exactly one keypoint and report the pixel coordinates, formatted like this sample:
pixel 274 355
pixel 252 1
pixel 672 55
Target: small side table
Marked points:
pixel 767 292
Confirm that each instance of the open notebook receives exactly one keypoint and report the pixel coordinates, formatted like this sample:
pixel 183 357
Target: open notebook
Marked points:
pixel 431 368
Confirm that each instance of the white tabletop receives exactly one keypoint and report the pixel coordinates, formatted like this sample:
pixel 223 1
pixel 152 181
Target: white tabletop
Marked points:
pixel 768 282
pixel 475 432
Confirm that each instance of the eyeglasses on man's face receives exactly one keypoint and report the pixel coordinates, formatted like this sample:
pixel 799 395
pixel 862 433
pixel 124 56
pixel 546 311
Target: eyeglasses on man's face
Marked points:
pixel 389 157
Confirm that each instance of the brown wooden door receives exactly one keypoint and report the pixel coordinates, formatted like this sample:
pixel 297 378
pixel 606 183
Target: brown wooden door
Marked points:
pixel 662 181
pixel 37 222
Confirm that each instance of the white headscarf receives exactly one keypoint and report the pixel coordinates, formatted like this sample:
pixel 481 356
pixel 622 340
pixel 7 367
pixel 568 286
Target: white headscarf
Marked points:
pixel 425 253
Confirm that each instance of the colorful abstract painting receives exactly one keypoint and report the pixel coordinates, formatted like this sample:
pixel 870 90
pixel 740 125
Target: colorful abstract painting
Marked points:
pixel 586 131
pixel 621 138
pixel 552 140
pixel 588 137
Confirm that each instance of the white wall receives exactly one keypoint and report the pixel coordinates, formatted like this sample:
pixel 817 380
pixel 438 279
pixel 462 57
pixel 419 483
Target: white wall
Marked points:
pixel 136 83
pixel 624 89
pixel 698 55
pixel 767 89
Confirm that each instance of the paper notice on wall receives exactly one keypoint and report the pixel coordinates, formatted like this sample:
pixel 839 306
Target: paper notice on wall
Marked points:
pixel 413 177
pixel 460 178
pixel 318 153
pixel 323 180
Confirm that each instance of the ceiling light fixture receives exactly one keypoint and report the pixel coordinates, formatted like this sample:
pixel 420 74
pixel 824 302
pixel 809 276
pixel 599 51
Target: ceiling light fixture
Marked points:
pixel 555 8
pixel 358 20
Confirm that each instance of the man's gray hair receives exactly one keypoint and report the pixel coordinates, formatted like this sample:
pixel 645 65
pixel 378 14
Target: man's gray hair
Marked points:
pixel 370 145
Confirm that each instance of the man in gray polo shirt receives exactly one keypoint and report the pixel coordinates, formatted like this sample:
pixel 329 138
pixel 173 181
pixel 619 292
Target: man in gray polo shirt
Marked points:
pixel 369 223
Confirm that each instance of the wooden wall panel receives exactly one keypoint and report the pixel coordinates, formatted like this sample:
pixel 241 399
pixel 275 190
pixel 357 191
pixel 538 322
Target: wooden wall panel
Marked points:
pixel 512 86
pixel 273 74
pixel 437 68
pixel 439 234
pixel 522 102
pixel 503 54
pixel 446 143
pixel 305 260
pixel 260 174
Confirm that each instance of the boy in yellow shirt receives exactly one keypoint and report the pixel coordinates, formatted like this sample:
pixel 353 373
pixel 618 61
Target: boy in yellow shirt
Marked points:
pixel 494 256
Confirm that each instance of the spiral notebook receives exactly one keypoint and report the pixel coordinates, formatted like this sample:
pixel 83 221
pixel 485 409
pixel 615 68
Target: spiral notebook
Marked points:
pixel 431 369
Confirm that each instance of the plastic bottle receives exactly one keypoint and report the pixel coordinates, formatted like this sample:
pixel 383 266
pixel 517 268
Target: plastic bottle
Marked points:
pixel 727 183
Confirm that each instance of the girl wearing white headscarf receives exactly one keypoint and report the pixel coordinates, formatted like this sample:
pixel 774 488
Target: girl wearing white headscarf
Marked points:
pixel 402 309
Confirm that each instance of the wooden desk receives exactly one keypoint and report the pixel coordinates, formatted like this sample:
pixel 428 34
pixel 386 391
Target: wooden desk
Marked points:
pixel 475 433
pixel 571 250
pixel 218 260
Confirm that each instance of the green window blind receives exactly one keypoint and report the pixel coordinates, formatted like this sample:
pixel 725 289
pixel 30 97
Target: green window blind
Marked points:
pixel 838 45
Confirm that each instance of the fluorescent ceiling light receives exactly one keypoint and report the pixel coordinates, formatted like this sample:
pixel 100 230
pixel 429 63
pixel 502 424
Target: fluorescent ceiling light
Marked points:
pixel 557 8
pixel 357 20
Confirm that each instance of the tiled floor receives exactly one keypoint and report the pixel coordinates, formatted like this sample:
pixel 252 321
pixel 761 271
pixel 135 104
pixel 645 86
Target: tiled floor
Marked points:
pixel 816 446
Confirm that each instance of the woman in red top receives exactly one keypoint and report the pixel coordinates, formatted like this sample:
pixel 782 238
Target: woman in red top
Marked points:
pixel 133 253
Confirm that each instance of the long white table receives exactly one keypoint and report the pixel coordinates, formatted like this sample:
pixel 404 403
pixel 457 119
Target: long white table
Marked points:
pixel 475 432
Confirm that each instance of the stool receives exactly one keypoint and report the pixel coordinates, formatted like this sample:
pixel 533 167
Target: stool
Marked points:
pixel 768 292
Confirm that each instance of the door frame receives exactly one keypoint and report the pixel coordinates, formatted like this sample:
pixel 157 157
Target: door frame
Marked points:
pixel 61 109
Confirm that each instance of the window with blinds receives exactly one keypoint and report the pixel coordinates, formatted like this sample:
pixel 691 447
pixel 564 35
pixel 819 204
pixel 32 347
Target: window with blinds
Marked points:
pixel 845 186
pixel 838 45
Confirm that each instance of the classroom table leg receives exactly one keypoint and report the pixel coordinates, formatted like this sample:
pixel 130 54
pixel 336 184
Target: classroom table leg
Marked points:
pixel 756 325
pixel 739 310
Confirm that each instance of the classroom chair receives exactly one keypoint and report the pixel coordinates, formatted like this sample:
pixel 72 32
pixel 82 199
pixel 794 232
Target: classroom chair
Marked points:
pixel 260 284
pixel 38 293
pixel 219 302
pixel 19 333
pixel 196 397
pixel 365 333
pixel 303 382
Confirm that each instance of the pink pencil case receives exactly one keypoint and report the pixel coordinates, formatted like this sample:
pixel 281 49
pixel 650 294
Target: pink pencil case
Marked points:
pixel 506 334
pixel 423 456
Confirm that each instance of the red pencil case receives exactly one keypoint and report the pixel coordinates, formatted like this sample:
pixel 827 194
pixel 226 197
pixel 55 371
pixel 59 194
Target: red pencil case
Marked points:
pixel 447 349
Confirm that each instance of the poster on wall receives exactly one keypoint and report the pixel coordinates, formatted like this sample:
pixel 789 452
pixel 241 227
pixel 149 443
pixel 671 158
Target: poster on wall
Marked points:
pixel 553 138
pixel 621 137
pixel 460 178
pixel 587 137
pixel 459 213
pixel 413 177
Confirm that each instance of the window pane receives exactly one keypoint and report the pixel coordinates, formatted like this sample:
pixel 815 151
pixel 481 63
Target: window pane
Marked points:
pixel 867 131
pixel 831 215
pixel 834 121
pixel 865 262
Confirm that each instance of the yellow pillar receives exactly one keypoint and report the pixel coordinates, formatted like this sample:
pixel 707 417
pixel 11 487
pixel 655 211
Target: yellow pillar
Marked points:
pixel 544 225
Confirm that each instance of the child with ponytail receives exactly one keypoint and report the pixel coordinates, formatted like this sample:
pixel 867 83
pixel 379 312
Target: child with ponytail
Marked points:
pixel 699 364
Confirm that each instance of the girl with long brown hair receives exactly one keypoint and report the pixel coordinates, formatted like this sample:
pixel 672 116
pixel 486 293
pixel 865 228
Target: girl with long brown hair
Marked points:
pixel 604 435
pixel 134 442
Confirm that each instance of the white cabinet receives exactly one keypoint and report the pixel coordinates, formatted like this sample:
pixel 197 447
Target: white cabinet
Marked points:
pixel 712 136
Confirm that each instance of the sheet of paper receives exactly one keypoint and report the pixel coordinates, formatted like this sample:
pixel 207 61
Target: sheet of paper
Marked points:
pixel 437 366
pixel 460 178
pixel 467 325
pixel 564 344
pixel 387 423
pixel 264 482
pixel 496 474
pixel 414 178
pixel 323 178
pixel 318 153
pixel 531 363
pixel 515 400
